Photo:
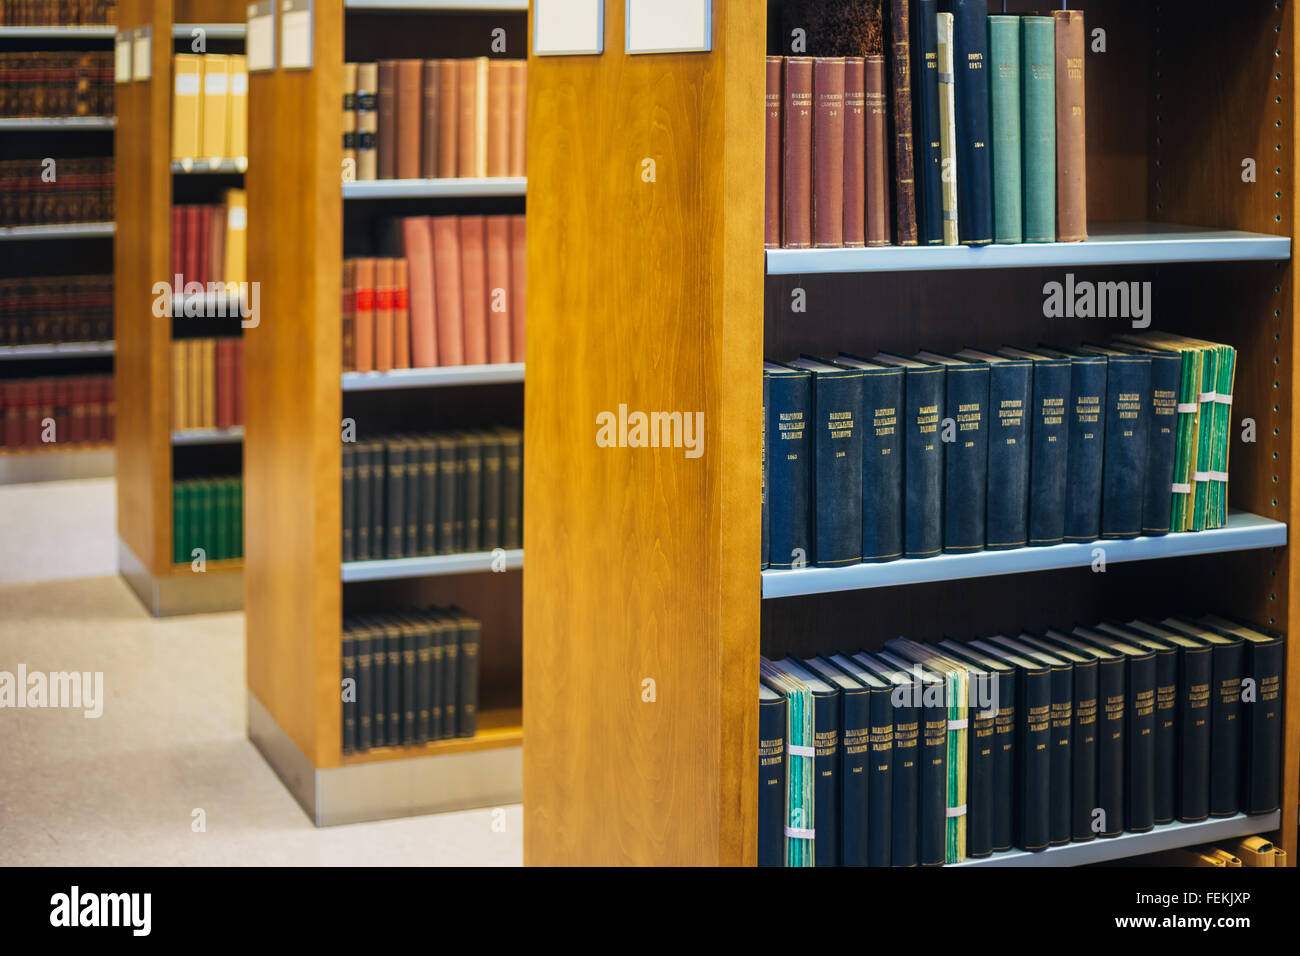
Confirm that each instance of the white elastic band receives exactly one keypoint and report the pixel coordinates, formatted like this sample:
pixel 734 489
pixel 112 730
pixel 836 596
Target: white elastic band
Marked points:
pixel 795 750
pixel 1209 396
pixel 1223 399
pixel 1180 489
pixel 1211 476
pixel 957 811
pixel 1188 408
pixel 796 833
pixel 957 724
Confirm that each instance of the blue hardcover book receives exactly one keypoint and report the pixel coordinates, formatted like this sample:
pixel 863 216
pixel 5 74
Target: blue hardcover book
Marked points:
pixel 771 777
pixel 882 459
pixel 1010 393
pixel 932 805
pixel 790 455
pixel 904 840
pixel 1162 435
pixel 1048 446
pixel 974 161
pixel 923 404
pixel 966 458
pixel 925 114
pixel 826 762
pixel 880 760
pixel 763 549
pixel 855 761
pixel 1087 428
pixel 1083 770
pixel 1128 419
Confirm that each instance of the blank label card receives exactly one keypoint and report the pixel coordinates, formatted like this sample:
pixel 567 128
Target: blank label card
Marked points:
pixel 568 27
pixel 669 26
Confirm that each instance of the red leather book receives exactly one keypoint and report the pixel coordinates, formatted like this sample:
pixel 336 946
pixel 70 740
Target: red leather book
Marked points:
pixel 498 288
pixel 498 118
pixel 193 224
pixel 417 241
pixel 796 155
pixel 473 268
pixel 42 407
pixel 448 118
pixel 77 429
pixel 365 317
pixel 772 157
pixel 900 46
pixel 13 401
pixel 410 108
pixel 401 316
pixel 225 383
pixel 828 152
pixel 62 403
pixel 349 310
pixel 383 315
pixel 429 119
pixel 877 153
pixel 447 286
pixel 518 263
pixel 386 137
pixel 217 245
pixel 178 244
pixel 518 96
pixel 238 389
pixel 855 156
pixel 204 263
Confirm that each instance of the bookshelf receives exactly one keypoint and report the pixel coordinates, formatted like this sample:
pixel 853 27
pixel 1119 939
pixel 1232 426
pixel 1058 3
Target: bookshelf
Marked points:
pixel 56 123
pixel 297 588
pixel 150 456
pixel 643 564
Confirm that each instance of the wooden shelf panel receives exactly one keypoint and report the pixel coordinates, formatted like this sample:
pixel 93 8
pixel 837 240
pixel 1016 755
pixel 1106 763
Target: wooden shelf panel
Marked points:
pixel 466 188
pixel 62 350
pixel 208 436
pixel 75 230
pixel 1243 532
pixel 431 566
pixel 212 567
pixel 54 124
pixel 433 377
pixel 496 729
pixel 1107 244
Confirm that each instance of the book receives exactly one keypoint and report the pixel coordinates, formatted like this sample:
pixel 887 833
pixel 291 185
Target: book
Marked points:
pixel 1038 126
pixel 214 137
pixel 854 720
pixel 880 760
pixel 497 158
pixel 790 464
pixel 499 292
pixel 417 243
pixel 947 128
pixel 471 135
pixel 1007 495
pixel 970 62
pixel 1071 128
pixel 518 298
pixel 1086 437
pixel 900 119
pixel 449 105
pixel 385 278
pixel 431 107
pixel 799 817
pixel 1048 443
pixel 882 459
pixel 772 718
pixel 926 138
pixel 349 116
pixel 923 397
pixel 447 284
pixel 796 155
pixel 187 105
pixel 408 113
pixel 877 150
pixel 386 130
pixel 367 121
pixel 348 500
pixel 1128 421
pixel 826 762
pixel 518 104
pixel 905 702
pixel 855 154
pixel 1162 436
pixel 474 304
pixel 772 157
pixel 965 432
pixel 1005 150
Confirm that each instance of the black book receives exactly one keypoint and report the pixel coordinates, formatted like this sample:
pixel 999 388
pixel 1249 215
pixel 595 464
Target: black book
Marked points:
pixel 450 675
pixel 764 536
pixel 932 809
pixel 491 491
pixel 395 503
pixel 470 633
pixel 437 675
pixel 473 491
pixel 928 156
pixel 1033 746
pixel 1048 444
pixel 378 501
pixel 1010 397
pixel 393 679
pixel 1086 419
pixel 448 503
pixel 854 762
pixel 512 488
pixel 1128 421
pixel 379 684
pixel 771 777
pixel 349 500
pixel 923 404
pixel 423 678
pixel 974 162
pixel 350 674
pixel 365 706
pixel 790 457
pixel 412 506
pixel 361 514
pixel 880 762
pixel 904 843
pixel 410 642
pixel 966 459
pixel 428 495
pixel 837 461
pixel 826 762
pixel 882 459
pixel 460 521
pixel 1060 801
pixel 997 687
pixel 1162 435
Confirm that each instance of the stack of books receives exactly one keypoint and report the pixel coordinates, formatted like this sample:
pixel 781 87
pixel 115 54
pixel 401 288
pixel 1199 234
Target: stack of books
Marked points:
pixel 50 310
pixel 209 107
pixel 45 414
pixel 208 515
pixel 56 84
pixel 36 192
pixel 207 383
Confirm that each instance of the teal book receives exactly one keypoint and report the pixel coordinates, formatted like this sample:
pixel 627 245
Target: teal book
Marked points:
pixel 1038 126
pixel 799 818
pixel 1004 105
pixel 180 520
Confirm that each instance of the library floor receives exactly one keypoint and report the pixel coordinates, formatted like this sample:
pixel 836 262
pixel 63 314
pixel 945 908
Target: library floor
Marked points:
pixel 122 789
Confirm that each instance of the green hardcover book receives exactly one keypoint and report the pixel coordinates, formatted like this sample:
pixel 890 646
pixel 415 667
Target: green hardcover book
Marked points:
pixel 1223 428
pixel 237 520
pixel 194 538
pixel 221 533
pixel 208 516
pixel 180 520
pixel 799 810
pixel 1038 129
pixel 1004 105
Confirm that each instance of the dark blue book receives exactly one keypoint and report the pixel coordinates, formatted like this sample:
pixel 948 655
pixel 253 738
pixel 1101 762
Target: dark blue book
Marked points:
pixel 880 761
pixel 974 161
pixel 966 458
pixel 1128 419
pixel 837 462
pixel 1010 394
pixel 882 459
pixel 932 805
pixel 1162 436
pixel 923 404
pixel 925 116
pixel 763 550
pixel 826 762
pixel 855 761
pixel 1087 428
pixel 1049 445
pixel 790 456
pixel 771 777
pixel 904 840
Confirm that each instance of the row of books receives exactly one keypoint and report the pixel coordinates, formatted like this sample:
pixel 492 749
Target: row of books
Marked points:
pixel 51 192
pixel 426 119
pixel 911 457
pixel 451 294
pixel 409 677
pixel 208 516
pixel 56 84
pixel 935 753
pixel 207 383
pixel 57 13
pixel 407 496
pixel 56 411
pixel 972 124
pixel 48 310
pixel 209 242
pixel 1249 851
pixel 209 106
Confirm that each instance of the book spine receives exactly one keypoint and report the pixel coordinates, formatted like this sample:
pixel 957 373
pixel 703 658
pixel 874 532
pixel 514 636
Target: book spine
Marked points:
pixel 1128 395
pixel 1010 395
pixel 877 177
pixel 423 684
pixel 796 164
pixel 1139 749
pixel 1166 729
pixel 791 470
pixel 926 133
pixel 511 490
pixel 980 759
pixel 934 786
pixel 473 493
pixel 411 500
pixel 947 129
pixel 349 660
pixel 395 467
pixel 410 96
pixel 855 153
pixel 518 117
pixel 1004 102
pixel 409 638
pixel 1262 730
pixel 1086 441
pixel 491 493
pixel 923 465
pixel 1048 449
pixel 468 656
pixel 365 690
pixel 437 680
pixel 379 684
pixel 765 537
pixel 854 768
pixel 1005 727
pixel 473 263
pixel 467 139
pixel 772 157
pixel 882 466
pixel 837 471
pixel 771 781
pixel 393 692
pixel 1110 747
pixel 497 241
pixel 447 281
pixel 430 109
pixel 1061 755
pixel 448 118
pixel 1038 127
pixel 1033 749
pixel 378 500
pixel 1162 437
pixel 1083 776
pixel 450 681
pixel 428 496
pixel 1071 149
pixel 462 491
pixel 1225 733
pixel 880 779
pixel 901 117
pixel 1195 676
pixel 386 137
pixel 518 297
pixel 904 837
pixel 970 62
pixel 361 533
pixel 498 117
pixel 966 459
pixel 349 500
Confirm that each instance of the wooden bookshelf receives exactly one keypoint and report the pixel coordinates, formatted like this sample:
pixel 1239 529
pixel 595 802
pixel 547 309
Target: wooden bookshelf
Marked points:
pixel 645 565
pixel 146 446
pixel 302 218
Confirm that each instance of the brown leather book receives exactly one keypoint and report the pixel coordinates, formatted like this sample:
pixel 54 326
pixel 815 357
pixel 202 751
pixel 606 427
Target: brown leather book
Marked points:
pixel 796 154
pixel 518 270
pixel 448 117
pixel 498 288
pixel 367 120
pixel 772 157
pixel 225 383
pixel 349 315
pixel 429 119
pixel 417 242
pixel 828 152
pixel 216 264
pixel 410 107
pixel 518 117
pixel 473 270
pixel 900 47
pixel 401 317
pixel 365 315
pixel 855 156
pixel 498 118
pixel 1071 148
pixel 447 285
pixel 386 137
pixel 472 134
pixel 877 116
pixel 384 278
pixel 239 381
pixel 350 114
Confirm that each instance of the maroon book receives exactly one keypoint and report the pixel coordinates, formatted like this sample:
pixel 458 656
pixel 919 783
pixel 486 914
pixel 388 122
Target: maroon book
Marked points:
pixel 828 152
pixel 855 155
pixel 796 154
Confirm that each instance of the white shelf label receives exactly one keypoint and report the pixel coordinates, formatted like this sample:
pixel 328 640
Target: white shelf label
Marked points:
pixel 260 42
pixel 295 34
pixel 122 58
pixel 142 53
pixel 568 27
pixel 669 26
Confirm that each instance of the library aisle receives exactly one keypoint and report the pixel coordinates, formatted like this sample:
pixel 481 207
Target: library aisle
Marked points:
pixel 122 789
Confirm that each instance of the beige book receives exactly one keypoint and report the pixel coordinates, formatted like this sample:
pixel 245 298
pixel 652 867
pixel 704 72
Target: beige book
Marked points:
pixel 194 383
pixel 350 114
pixel 187 105
pixel 237 127
pixel 481 117
pixel 180 419
pixel 209 388
pixel 367 120
pixel 236 269
pixel 216 105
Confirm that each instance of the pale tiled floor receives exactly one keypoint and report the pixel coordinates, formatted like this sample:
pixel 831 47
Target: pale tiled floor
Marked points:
pixel 121 790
